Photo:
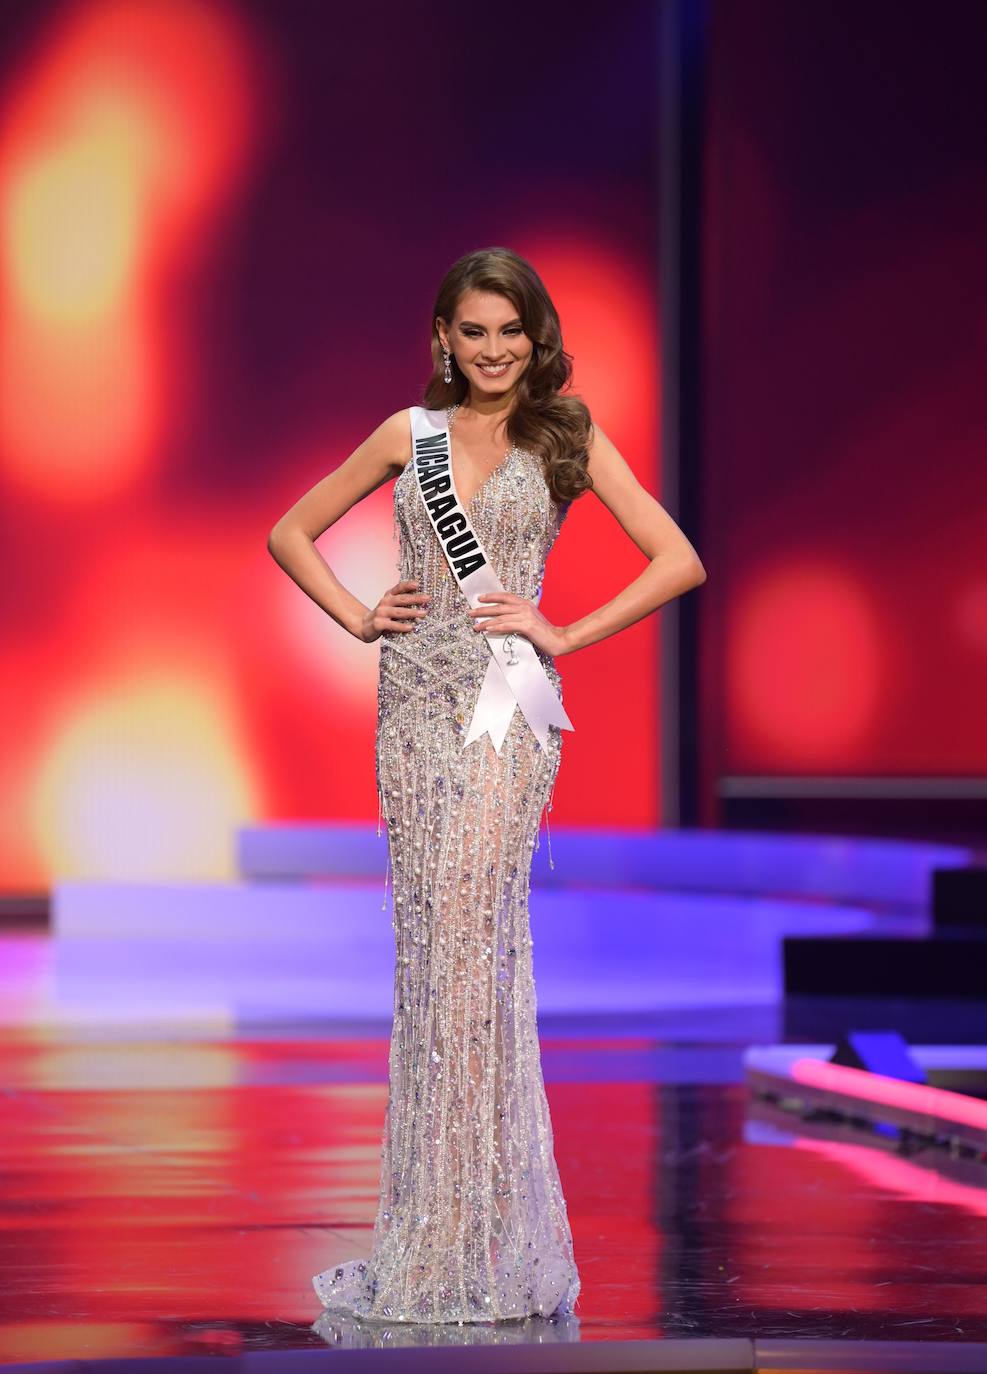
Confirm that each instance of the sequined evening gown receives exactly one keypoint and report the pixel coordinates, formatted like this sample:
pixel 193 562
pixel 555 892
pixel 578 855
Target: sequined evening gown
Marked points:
pixel 471 1222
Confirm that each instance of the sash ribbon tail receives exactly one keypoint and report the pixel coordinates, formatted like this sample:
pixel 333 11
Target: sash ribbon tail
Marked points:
pixel 506 687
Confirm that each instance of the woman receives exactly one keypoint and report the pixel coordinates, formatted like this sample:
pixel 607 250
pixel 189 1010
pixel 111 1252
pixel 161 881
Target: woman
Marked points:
pixel 471 1222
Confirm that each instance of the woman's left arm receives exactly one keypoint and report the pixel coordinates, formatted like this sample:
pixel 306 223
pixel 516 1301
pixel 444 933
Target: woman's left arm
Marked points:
pixel 674 568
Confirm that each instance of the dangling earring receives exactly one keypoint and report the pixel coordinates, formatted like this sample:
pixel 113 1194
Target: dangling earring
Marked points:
pixel 447 374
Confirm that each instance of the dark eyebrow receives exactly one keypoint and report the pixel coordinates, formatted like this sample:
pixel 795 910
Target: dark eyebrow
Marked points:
pixel 471 324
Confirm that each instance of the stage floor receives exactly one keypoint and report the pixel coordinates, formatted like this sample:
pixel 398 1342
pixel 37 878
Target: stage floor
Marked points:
pixel 173 1197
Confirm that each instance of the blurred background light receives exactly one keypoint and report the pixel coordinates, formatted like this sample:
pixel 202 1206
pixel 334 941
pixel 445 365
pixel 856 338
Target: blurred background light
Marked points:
pixel 143 779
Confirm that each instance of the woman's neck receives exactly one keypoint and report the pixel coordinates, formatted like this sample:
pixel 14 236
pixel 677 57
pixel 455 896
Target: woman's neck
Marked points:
pixel 494 409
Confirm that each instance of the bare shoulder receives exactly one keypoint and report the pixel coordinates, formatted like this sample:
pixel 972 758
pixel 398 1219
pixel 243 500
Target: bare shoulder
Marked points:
pixel 390 442
pixel 603 452
pixel 640 513
pixel 607 466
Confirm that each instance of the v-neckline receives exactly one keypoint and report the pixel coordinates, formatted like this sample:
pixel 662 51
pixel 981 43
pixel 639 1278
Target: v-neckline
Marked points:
pixel 468 505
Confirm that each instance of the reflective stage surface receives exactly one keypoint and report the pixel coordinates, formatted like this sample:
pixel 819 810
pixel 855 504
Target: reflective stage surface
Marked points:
pixel 172 1197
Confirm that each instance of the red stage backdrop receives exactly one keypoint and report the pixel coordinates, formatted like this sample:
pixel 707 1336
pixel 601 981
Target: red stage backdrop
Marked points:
pixel 221 230
pixel 845 617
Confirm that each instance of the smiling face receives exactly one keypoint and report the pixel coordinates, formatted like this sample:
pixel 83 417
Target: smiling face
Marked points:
pixel 488 341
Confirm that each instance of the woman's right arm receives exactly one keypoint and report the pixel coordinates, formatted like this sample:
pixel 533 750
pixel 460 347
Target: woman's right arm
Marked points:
pixel 291 542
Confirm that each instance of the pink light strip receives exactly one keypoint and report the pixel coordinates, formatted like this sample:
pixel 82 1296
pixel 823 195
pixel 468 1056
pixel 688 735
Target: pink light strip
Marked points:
pixel 937 1103
pixel 898 1175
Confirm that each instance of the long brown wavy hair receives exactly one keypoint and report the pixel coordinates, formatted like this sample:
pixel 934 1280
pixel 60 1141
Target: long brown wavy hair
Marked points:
pixel 555 427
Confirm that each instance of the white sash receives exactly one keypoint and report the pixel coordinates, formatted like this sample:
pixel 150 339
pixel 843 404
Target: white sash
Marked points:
pixel 515 675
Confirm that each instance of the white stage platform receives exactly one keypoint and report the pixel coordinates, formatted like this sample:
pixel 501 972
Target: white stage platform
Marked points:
pixel 697 921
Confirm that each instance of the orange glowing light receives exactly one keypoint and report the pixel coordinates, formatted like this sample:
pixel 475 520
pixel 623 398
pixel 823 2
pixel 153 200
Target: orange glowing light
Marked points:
pixel 606 296
pixel 72 225
pixel 128 129
pixel 146 779
pixel 609 311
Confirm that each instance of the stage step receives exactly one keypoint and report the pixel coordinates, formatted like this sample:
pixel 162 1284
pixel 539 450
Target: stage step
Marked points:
pixel 950 963
pixel 959 897
pixel 263 951
pixel 894 873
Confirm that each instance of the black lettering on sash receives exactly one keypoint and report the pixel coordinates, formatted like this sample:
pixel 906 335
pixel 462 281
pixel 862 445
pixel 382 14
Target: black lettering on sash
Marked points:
pixel 434 441
pixel 460 544
pixel 432 486
pixel 433 463
pixel 428 467
pixel 465 566
pixel 440 505
pixel 451 524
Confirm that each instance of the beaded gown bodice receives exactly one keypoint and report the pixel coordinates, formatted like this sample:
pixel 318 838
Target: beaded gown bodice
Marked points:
pixel 471 1223
pixel 514 515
